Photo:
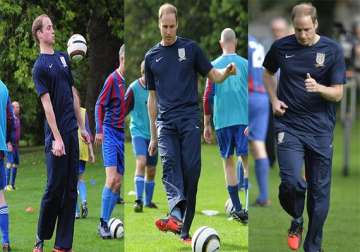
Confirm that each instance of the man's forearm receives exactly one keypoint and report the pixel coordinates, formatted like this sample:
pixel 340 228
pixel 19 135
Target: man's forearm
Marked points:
pixel 331 93
pixel 50 115
pixel 206 120
pixel 152 113
pixel 217 75
pixel 270 85
pixel 77 111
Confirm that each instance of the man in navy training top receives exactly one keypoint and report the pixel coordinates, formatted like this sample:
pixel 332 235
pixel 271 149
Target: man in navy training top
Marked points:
pixel 230 117
pixel 312 74
pixel 136 104
pixel 7 141
pixel 171 68
pixel 54 85
pixel 109 118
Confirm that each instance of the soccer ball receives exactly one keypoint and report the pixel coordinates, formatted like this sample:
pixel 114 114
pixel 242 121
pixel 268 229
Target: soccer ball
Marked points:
pixel 116 228
pixel 76 47
pixel 229 207
pixel 205 239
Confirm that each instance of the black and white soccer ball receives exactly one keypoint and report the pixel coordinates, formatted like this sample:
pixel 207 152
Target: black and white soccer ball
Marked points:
pixel 205 239
pixel 76 47
pixel 116 228
pixel 229 207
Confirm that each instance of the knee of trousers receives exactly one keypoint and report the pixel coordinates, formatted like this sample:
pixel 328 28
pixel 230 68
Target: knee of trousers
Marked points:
pixel 290 191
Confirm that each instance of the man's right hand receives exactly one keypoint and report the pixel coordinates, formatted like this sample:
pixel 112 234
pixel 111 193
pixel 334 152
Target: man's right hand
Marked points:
pixel 58 148
pixel 152 149
pixel 207 134
pixel 279 107
pixel 99 138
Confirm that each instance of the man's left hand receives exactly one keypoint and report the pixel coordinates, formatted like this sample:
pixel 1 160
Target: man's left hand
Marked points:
pixel 85 136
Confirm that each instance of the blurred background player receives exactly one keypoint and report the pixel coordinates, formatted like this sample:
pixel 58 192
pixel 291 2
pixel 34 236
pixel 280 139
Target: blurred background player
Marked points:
pixel 258 119
pixel 7 132
pixel 86 153
pixel 12 157
pixel 230 116
pixel 171 68
pixel 109 117
pixel 136 104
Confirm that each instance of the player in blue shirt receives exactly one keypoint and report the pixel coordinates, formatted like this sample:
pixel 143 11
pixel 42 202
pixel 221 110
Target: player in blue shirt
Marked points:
pixel 53 82
pixel 109 117
pixel 230 116
pixel 258 119
pixel 7 141
pixel 136 104
pixel 312 74
pixel 171 68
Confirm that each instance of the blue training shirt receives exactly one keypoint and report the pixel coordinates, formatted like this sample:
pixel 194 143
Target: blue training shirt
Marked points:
pixel 172 72
pixel 52 74
pixel 231 96
pixel 308 113
pixel 136 103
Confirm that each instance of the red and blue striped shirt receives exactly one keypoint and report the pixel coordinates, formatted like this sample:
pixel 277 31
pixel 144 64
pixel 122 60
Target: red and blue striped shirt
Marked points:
pixel 110 105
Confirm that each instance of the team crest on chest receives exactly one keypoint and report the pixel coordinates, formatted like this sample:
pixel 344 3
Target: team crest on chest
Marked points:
pixel 63 61
pixel 181 53
pixel 320 59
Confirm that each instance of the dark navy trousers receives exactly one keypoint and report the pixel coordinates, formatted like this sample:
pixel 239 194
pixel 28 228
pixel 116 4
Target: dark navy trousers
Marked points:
pixel 316 152
pixel 180 151
pixel 59 200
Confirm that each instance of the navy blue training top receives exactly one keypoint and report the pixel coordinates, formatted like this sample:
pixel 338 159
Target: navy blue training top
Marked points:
pixel 172 72
pixel 52 74
pixel 308 113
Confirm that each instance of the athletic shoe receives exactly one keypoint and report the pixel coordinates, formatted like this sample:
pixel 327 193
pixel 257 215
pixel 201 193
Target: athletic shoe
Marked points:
pixel 186 240
pixel 295 235
pixel 77 215
pixel 84 210
pixel 241 216
pixel 120 200
pixel 39 245
pixel 62 250
pixel 171 224
pixel 259 203
pixel 6 247
pixel 151 205
pixel 138 206
pixel 103 230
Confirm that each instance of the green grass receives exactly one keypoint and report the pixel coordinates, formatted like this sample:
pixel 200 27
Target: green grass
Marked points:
pixel 268 226
pixel 140 231
pixel 30 184
pixel 141 234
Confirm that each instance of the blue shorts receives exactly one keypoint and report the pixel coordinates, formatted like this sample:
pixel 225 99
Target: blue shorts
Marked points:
pixel 140 148
pixel 2 174
pixel 232 137
pixel 258 116
pixel 113 148
pixel 82 166
pixel 13 157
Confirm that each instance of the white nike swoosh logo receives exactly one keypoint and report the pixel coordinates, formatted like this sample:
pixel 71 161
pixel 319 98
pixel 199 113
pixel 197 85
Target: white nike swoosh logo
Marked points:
pixel 289 56
pixel 50 66
pixel 157 60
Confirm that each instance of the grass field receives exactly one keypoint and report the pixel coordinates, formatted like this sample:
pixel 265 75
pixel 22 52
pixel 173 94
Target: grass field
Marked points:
pixel 268 226
pixel 140 232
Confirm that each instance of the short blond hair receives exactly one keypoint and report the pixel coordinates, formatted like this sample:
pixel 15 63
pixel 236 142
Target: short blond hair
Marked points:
pixel 167 8
pixel 304 9
pixel 37 25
